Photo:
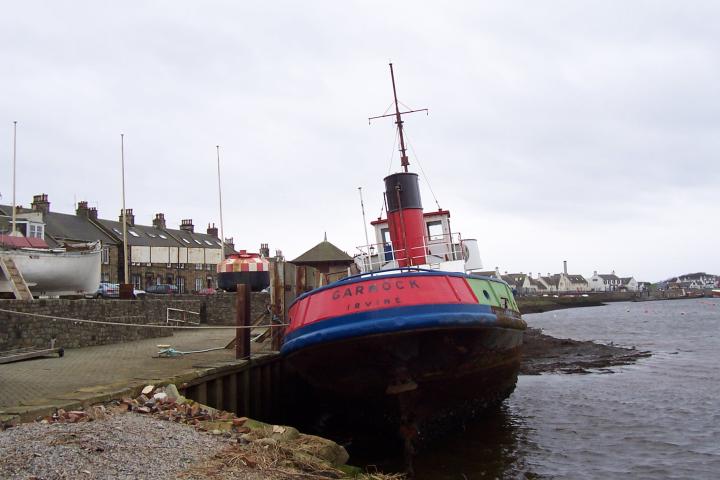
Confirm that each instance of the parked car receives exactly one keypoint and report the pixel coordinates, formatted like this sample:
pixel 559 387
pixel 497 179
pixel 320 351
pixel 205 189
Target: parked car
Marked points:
pixel 112 290
pixel 163 289
pixel 207 291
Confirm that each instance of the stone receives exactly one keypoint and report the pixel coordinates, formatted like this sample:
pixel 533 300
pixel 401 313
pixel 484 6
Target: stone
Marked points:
pixel 148 389
pixel 142 410
pixel 239 422
pixel 161 396
pixel 172 391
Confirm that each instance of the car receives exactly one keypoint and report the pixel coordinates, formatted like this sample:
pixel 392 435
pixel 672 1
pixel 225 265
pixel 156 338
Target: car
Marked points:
pixel 162 289
pixel 207 291
pixel 108 290
pixel 112 290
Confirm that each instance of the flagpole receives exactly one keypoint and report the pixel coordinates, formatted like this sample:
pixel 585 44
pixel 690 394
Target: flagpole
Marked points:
pixel 222 233
pixel 13 232
pixel 124 212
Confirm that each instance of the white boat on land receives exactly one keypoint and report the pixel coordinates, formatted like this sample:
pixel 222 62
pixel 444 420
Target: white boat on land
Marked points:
pixel 73 269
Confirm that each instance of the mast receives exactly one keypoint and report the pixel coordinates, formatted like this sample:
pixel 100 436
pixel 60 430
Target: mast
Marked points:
pixel 222 234
pixel 124 212
pixel 398 121
pixel 13 231
pixel 402 194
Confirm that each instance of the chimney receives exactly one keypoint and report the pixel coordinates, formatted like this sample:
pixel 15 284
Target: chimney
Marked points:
pixel 565 267
pixel 264 250
pixel 212 230
pixel 186 225
pixel 613 272
pixel 129 215
pixel 40 203
pixel 159 221
pixel 230 243
pixel 92 213
pixel 82 209
pixel 594 273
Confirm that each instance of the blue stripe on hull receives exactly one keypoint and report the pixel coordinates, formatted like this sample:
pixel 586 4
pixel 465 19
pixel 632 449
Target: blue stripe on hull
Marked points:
pixel 389 320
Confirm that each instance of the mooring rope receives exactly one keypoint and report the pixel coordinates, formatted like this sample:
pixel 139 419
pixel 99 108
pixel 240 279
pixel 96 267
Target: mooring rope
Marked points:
pixel 144 325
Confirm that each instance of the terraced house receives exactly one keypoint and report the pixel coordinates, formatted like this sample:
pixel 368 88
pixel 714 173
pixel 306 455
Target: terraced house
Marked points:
pixel 157 254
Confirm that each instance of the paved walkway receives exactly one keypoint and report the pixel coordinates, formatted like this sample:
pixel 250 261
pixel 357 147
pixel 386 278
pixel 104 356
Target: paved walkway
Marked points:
pixel 84 372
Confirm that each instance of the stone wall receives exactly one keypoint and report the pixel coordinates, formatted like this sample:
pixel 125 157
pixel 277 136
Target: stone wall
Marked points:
pixel 218 309
pixel 20 331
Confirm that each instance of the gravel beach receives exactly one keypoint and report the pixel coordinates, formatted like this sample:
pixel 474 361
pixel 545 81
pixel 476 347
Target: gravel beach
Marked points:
pixel 126 446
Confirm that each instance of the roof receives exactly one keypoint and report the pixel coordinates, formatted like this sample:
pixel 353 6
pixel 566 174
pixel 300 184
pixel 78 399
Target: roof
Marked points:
pixel 577 279
pixel 537 283
pixel 323 252
pixel 63 226
pixel 626 280
pixel 22 242
pixel 141 235
pixel 553 280
pixel 608 276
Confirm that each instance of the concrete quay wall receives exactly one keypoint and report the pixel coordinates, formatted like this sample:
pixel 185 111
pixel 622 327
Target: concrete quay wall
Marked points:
pixel 22 331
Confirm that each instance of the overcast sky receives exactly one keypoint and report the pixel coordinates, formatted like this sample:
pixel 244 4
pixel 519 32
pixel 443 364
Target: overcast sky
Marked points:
pixel 586 131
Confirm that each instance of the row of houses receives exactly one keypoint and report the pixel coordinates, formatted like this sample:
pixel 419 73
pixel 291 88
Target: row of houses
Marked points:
pixel 527 284
pixel 157 254
pixel 698 280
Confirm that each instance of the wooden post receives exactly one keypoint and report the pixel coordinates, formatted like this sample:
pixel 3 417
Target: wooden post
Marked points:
pixel 242 319
pixel 277 300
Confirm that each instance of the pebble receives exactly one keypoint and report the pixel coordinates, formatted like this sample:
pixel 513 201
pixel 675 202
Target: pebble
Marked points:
pixel 123 446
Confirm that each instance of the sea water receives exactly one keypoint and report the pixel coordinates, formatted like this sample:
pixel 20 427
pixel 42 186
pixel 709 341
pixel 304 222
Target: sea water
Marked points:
pixel 658 418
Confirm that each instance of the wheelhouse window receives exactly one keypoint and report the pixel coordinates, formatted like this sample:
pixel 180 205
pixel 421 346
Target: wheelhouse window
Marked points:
pixel 435 230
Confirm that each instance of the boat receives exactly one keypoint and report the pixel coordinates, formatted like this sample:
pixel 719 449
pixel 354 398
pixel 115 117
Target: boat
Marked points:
pixel 416 341
pixel 716 293
pixel 29 267
pixel 243 267
pixel 71 269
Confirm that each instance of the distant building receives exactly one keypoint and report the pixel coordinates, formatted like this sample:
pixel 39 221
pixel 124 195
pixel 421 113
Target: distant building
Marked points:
pixel 604 282
pixel 629 284
pixel 697 280
pixel 157 254
pixel 518 282
pixel 328 259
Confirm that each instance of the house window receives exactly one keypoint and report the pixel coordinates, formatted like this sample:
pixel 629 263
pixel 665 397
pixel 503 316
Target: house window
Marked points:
pixel 198 284
pixel 198 266
pixel 35 230
pixel 137 281
pixel 180 284
pixel 435 230
pixel 105 255
pixel 209 282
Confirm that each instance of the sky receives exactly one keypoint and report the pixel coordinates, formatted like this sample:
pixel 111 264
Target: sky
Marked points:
pixel 584 131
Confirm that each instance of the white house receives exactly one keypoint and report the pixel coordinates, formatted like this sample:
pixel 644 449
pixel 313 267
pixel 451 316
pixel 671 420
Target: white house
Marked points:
pixel 629 284
pixel 604 282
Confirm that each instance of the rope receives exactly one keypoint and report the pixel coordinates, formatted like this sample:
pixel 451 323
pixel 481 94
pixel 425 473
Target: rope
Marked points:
pixel 152 325
pixel 422 171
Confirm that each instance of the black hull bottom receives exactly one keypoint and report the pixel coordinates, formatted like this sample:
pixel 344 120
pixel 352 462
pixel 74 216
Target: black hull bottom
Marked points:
pixel 422 383
pixel 229 281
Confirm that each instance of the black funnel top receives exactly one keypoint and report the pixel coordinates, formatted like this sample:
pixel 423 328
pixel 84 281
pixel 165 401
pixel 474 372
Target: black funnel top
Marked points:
pixel 409 191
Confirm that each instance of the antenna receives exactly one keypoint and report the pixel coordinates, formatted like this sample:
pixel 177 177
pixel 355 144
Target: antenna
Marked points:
pixel 362 207
pixel 398 121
